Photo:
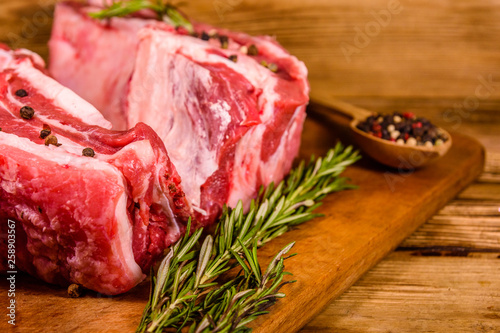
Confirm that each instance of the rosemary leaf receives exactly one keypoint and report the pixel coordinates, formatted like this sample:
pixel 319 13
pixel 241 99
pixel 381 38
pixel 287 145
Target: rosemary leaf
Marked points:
pixel 125 8
pixel 205 253
pixel 164 11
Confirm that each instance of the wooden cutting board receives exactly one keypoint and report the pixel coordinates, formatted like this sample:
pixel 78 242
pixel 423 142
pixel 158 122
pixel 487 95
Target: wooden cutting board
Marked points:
pixel 358 229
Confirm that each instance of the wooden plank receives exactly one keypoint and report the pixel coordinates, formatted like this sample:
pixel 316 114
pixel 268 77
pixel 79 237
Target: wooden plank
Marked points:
pixel 27 24
pixel 457 231
pixel 407 294
pixel 428 48
pixel 489 177
pixel 481 191
pixel 470 208
pixel 493 159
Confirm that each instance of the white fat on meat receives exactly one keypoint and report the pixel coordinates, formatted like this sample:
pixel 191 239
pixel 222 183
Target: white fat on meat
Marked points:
pixel 246 167
pixel 182 131
pixel 273 169
pixel 122 242
pixel 185 140
pixel 61 96
pixel 147 158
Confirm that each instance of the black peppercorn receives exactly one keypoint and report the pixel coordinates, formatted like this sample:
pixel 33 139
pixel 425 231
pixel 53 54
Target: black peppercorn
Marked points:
pixel 21 93
pixel 418 131
pixel 75 290
pixel 399 126
pixel 45 132
pixel 233 58
pixel 224 42
pixel 385 134
pixel 27 112
pixel 89 152
pixel 253 50
pixel 204 36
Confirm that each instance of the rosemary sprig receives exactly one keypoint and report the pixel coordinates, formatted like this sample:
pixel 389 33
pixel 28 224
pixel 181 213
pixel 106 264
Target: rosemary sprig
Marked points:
pixel 165 12
pixel 253 294
pixel 185 291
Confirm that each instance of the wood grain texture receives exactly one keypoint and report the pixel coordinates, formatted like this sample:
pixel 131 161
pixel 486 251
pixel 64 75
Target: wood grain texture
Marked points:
pixel 428 60
pixel 427 49
pixel 408 294
pixel 26 24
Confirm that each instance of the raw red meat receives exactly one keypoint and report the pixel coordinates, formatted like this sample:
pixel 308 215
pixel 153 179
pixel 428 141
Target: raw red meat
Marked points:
pixel 98 221
pixel 229 126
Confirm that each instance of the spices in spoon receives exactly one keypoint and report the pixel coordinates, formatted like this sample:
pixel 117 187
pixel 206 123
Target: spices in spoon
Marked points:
pixel 403 128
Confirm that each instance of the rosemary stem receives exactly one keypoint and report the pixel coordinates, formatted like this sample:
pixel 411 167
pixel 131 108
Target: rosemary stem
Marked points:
pixel 165 314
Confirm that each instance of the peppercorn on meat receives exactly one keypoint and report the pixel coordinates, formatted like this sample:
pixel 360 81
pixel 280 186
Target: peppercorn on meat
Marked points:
pixel 229 107
pixel 91 206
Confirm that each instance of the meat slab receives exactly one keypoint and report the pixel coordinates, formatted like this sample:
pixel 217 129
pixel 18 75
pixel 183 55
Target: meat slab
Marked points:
pixel 98 221
pixel 229 107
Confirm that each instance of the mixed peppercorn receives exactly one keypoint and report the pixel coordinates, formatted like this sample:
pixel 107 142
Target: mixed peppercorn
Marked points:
pixel 403 128
pixel 250 50
pixel 27 112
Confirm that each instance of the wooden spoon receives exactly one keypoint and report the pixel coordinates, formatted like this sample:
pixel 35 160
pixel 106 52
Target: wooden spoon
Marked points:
pixel 384 151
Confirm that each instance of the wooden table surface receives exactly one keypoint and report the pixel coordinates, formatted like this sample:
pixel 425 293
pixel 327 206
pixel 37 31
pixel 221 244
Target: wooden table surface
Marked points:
pixel 440 59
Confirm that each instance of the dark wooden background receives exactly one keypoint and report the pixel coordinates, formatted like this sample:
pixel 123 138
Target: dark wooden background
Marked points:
pixel 438 58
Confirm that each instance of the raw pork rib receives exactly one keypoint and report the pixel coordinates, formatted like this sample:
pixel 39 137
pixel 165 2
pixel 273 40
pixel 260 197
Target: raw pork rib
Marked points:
pixel 229 126
pixel 98 221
